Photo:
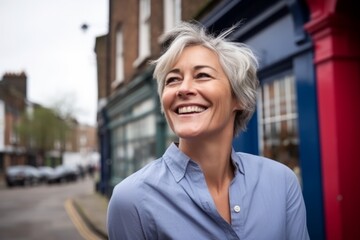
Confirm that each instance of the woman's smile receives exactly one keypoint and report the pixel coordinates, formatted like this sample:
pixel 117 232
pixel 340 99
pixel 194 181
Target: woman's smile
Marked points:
pixel 190 109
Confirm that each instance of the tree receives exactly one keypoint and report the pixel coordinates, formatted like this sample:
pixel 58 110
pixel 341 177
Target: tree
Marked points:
pixel 42 130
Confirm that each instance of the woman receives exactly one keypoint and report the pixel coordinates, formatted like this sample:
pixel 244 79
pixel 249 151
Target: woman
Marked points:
pixel 200 188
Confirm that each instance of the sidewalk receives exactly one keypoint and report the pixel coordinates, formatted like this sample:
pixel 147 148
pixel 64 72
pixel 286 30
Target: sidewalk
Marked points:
pixel 92 208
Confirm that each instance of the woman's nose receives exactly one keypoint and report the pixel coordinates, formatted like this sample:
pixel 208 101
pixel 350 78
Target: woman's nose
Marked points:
pixel 186 88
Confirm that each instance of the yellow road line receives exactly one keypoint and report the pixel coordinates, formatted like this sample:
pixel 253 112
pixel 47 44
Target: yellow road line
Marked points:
pixel 80 225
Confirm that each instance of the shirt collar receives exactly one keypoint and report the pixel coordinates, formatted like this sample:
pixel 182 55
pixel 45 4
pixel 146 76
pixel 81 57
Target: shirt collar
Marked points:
pixel 237 162
pixel 177 161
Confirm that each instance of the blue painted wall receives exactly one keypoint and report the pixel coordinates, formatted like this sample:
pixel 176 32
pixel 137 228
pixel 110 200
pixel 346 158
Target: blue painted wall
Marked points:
pixel 275 33
pixel 309 143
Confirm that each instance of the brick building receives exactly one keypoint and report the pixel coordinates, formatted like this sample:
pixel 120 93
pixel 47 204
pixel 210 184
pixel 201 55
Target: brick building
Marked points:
pixel 16 150
pixel 13 94
pixel 306 112
pixel 131 129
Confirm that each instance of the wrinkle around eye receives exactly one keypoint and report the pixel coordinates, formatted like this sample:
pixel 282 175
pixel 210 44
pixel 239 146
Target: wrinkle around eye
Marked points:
pixel 172 80
pixel 203 76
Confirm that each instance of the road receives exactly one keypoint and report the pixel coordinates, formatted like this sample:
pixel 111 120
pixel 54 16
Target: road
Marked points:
pixel 38 212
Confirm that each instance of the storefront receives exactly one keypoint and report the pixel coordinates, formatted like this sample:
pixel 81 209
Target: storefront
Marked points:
pixel 306 113
pixel 285 125
pixel 137 130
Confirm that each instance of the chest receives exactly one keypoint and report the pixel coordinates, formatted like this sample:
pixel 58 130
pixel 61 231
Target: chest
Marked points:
pixel 188 211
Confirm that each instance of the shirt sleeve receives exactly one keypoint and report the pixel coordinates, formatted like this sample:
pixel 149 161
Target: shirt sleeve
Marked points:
pixel 296 228
pixel 123 218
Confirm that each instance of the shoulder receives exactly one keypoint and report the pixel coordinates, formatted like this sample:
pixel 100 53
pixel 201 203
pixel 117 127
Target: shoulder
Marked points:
pixel 255 161
pixel 265 168
pixel 126 218
pixel 128 200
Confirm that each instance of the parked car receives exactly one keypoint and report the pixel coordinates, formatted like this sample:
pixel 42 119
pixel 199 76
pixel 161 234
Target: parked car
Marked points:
pixel 21 175
pixel 72 173
pixel 63 173
pixel 45 173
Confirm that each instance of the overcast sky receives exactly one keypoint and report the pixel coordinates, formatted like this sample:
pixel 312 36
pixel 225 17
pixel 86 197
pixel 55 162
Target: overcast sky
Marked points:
pixel 44 39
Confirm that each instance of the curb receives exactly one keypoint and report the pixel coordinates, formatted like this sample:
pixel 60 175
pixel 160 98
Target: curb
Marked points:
pixel 78 222
pixel 88 220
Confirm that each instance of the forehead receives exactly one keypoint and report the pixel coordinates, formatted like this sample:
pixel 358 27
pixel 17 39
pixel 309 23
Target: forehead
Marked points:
pixel 196 55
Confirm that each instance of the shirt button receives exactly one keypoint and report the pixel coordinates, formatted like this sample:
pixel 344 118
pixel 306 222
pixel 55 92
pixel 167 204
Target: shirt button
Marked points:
pixel 237 208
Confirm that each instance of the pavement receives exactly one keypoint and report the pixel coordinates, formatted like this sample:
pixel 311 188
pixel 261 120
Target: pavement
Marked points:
pixel 92 209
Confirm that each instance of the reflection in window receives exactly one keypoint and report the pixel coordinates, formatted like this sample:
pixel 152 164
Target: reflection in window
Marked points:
pixel 134 141
pixel 277 115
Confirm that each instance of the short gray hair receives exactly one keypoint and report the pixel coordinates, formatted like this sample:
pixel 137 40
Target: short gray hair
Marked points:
pixel 237 60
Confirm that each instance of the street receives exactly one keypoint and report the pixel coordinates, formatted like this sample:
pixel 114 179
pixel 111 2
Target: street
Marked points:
pixel 39 212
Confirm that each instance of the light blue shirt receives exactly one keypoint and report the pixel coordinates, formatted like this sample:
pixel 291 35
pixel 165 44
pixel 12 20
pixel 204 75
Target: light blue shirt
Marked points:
pixel 169 199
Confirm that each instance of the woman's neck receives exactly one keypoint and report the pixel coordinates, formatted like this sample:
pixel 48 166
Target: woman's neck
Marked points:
pixel 214 158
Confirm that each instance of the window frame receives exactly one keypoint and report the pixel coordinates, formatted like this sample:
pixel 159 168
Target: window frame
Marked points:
pixel 144 40
pixel 119 58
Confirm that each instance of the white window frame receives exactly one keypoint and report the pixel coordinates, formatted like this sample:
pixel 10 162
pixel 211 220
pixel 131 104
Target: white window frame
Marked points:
pixel 144 32
pixel 172 14
pixel 276 107
pixel 266 119
pixel 119 58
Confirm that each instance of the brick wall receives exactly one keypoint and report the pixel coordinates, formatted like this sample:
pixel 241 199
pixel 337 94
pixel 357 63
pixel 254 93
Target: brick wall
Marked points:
pixel 124 14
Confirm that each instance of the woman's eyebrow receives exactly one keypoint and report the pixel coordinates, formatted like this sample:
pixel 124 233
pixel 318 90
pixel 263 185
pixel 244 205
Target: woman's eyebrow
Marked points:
pixel 197 67
pixel 175 70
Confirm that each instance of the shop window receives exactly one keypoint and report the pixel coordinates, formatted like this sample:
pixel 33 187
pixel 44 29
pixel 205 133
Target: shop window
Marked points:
pixel 134 140
pixel 171 136
pixel 277 122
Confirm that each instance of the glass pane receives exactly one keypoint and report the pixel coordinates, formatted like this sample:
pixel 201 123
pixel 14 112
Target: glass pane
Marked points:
pixel 133 143
pixel 278 133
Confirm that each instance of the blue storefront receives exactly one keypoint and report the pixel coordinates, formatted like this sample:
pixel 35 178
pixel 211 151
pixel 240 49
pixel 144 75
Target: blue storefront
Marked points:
pixel 285 125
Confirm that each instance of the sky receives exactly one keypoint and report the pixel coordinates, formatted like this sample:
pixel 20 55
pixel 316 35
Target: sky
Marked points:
pixel 44 39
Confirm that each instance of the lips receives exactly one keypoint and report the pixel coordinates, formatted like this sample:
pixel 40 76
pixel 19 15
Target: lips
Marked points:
pixel 190 109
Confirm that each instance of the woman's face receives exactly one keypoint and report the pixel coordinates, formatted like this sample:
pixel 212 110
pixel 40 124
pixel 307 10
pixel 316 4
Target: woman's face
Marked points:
pixel 197 97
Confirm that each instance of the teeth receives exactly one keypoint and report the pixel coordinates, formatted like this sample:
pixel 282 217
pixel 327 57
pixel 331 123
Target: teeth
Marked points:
pixel 191 109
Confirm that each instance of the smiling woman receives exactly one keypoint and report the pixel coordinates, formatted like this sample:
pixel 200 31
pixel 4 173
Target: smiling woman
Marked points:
pixel 197 99
pixel 201 188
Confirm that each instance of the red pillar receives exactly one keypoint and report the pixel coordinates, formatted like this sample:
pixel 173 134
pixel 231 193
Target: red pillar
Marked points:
pixel 337 61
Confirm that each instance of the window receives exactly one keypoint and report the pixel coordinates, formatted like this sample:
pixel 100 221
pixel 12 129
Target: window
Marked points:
pixel 134 139
pixel 277 114
pixel 172 13
pixel 119 61
pixel 144 31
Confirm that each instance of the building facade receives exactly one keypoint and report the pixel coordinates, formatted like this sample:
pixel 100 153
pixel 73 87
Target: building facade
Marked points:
pixel 31 134
pixel 306 111
pixel 309 70
pixel 13 92
pixel 131 129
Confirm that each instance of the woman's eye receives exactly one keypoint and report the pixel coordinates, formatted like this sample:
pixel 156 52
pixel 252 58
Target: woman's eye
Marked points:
pixel 171 80
pixel 202 75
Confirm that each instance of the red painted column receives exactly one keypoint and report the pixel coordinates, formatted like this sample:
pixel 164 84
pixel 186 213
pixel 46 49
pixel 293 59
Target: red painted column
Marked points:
pixel 337 61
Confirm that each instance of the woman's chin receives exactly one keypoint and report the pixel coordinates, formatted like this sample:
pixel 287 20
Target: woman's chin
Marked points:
pixel 188 134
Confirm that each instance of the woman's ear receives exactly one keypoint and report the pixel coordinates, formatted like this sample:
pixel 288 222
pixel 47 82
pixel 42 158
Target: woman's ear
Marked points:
pixel 238 106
